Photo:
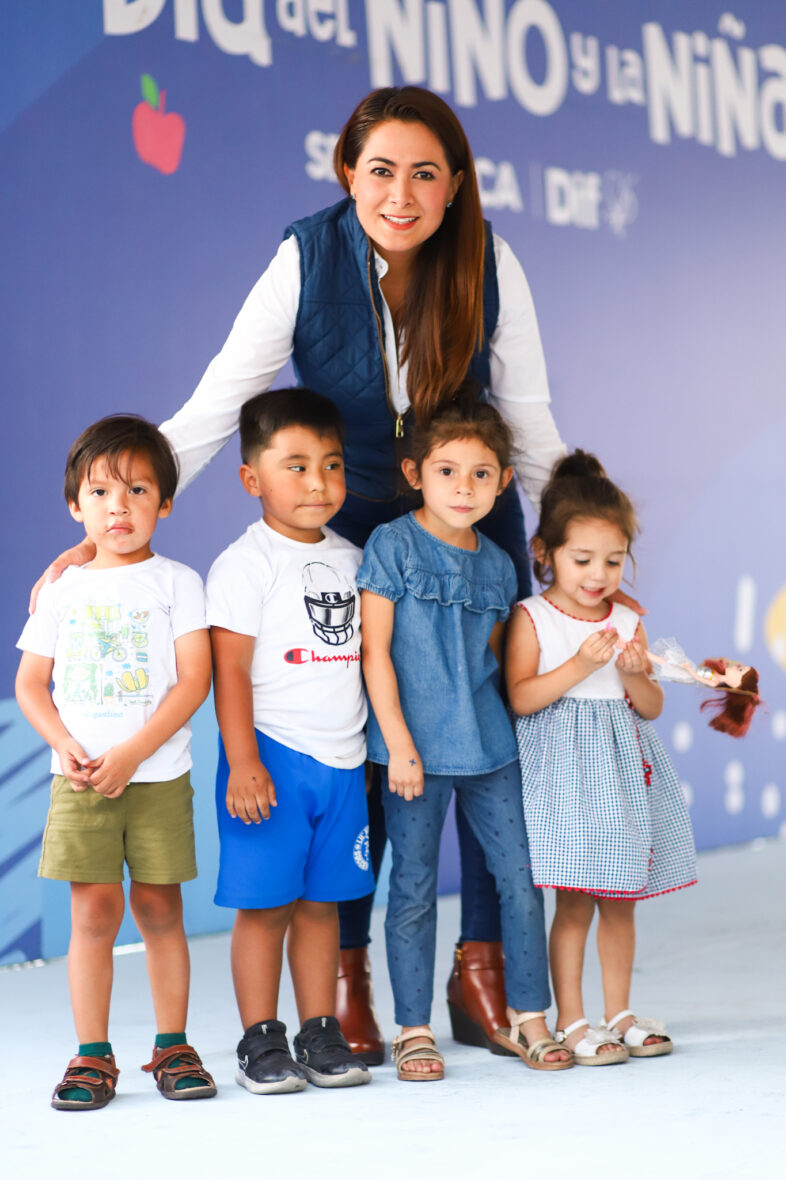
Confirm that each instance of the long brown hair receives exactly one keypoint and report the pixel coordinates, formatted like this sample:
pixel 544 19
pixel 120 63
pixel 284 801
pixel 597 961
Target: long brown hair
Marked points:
pixel 441 321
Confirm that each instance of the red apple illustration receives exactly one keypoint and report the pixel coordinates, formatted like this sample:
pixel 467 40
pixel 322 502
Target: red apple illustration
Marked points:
pixel 158 137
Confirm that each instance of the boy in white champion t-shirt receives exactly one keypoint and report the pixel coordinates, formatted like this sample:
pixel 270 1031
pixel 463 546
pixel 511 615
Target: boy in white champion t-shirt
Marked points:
pixel 283 610
pixel 125 640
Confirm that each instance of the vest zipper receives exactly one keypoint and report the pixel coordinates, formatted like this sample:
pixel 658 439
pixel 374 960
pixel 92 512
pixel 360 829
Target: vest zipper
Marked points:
pixel 398 418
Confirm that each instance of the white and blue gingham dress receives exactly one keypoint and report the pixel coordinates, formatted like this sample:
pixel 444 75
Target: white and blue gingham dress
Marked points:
pixel 604 809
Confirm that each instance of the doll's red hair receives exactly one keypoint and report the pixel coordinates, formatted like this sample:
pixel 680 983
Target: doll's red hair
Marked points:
pixel 735 709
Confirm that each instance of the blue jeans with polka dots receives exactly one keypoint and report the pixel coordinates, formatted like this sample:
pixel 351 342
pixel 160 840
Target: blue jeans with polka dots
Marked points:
pixel 492 804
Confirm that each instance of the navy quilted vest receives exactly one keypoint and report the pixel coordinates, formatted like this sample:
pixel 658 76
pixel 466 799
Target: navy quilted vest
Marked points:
pixel 339 341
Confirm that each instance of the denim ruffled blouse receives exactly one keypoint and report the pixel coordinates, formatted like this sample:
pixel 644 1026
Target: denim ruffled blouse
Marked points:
pixel 447 603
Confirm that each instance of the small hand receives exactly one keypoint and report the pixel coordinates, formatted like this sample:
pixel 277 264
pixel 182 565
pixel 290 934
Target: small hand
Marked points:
pixel 597 649
pixel 74 764
pixel 405 775
pixel 632 659
pixel 250 793
pixel 113 771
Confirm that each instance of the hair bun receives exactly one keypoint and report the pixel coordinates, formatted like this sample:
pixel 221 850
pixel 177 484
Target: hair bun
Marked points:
pixel 578 463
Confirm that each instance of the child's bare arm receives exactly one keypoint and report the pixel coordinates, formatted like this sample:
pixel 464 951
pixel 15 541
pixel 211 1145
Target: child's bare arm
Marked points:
pixel 113 771
pixel 634 667
pixel 527 691
pixel 34 695
pixel 405 770
pixel 250 790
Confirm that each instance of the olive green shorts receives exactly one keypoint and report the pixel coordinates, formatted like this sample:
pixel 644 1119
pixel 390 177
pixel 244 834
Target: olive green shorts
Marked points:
pixel 150 827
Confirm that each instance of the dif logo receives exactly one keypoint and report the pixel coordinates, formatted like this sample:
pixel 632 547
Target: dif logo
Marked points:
pixel 587 199
pixel 572 198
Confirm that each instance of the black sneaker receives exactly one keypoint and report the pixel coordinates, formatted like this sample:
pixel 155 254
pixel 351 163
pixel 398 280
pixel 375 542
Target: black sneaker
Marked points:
pixel 325 1057
pixel 264 1062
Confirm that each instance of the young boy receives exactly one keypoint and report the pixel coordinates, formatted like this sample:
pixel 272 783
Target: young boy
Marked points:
pixel 290 792
pixel 124 638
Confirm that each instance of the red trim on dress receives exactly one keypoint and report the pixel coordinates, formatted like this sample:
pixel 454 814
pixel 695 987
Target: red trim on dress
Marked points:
pixel 616 894
pixel 576 617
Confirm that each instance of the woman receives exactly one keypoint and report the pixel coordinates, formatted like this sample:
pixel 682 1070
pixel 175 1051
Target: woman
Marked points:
pixel 386 302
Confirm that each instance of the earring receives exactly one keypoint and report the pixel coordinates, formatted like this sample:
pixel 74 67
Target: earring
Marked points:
pixel 450 205
pixel 352 195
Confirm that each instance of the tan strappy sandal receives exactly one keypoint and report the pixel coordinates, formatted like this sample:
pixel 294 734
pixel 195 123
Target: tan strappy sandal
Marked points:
pixel 428 1052
pixel 533 1055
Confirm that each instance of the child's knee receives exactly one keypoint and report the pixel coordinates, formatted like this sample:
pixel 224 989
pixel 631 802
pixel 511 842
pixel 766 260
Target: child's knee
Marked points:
pixel 612 909
pixel 157 909
pixel 315 911
pixel 575 907
pixel 96 911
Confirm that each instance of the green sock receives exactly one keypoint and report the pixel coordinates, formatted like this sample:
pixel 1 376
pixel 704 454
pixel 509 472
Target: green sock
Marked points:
pixel 166 1041
pixel 88 1049
pixel 95 1049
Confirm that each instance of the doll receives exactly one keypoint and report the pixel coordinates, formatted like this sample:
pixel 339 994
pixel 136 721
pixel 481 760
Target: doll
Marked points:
pixel 738 682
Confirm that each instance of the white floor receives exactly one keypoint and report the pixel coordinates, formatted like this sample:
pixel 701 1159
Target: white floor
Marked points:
pixel 712 962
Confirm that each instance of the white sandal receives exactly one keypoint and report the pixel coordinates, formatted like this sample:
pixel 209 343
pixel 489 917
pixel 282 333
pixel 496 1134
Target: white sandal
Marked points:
pixel 585 1051
pixel 635 1036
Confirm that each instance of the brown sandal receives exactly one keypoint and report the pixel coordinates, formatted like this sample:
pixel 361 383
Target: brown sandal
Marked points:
pixel 99 1082
pixel 189 1065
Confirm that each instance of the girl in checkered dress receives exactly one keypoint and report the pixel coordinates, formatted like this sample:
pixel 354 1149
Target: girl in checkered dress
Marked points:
pixel 606 818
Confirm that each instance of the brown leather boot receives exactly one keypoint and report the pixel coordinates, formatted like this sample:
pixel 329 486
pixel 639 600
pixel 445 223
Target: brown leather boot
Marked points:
pixel 355 1006
pixel 476 995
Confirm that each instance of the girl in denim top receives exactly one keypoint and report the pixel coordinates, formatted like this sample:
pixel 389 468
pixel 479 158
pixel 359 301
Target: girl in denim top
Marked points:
pixel 435 597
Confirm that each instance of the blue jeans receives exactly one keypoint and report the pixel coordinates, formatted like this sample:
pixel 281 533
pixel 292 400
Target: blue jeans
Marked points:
pixel 492 805
pixel 480 917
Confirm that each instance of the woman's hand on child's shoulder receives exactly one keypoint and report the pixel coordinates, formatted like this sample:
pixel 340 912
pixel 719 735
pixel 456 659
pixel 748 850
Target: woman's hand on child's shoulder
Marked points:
pixel 78 555
pixel 597 649
pixel 625 600
pixel 250 793
pixel 405 775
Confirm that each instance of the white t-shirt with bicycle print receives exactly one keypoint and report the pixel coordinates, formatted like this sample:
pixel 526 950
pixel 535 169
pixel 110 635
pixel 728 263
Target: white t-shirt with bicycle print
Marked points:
pixel 111 633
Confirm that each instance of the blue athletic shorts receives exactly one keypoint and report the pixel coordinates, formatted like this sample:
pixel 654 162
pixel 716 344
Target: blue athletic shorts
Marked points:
pixel 315 844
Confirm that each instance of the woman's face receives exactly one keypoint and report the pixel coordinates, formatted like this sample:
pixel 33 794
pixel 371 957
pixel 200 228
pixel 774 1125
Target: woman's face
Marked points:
pixel 401 184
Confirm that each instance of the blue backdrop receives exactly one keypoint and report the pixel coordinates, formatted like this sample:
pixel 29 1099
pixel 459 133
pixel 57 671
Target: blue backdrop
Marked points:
pixel 633 155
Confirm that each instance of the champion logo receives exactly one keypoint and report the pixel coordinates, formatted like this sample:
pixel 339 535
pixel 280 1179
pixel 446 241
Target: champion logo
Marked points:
pixel 243 1062
pixel 303 655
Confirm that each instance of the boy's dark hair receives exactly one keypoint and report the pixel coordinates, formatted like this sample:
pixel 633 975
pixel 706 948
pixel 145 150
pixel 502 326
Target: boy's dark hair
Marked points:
pixel 578 489
pixel 464 416
pixel 112 437
pixel 263 415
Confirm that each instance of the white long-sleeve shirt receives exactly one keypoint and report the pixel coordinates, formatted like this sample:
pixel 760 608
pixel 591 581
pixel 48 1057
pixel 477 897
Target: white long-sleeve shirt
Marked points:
pixel 260 344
